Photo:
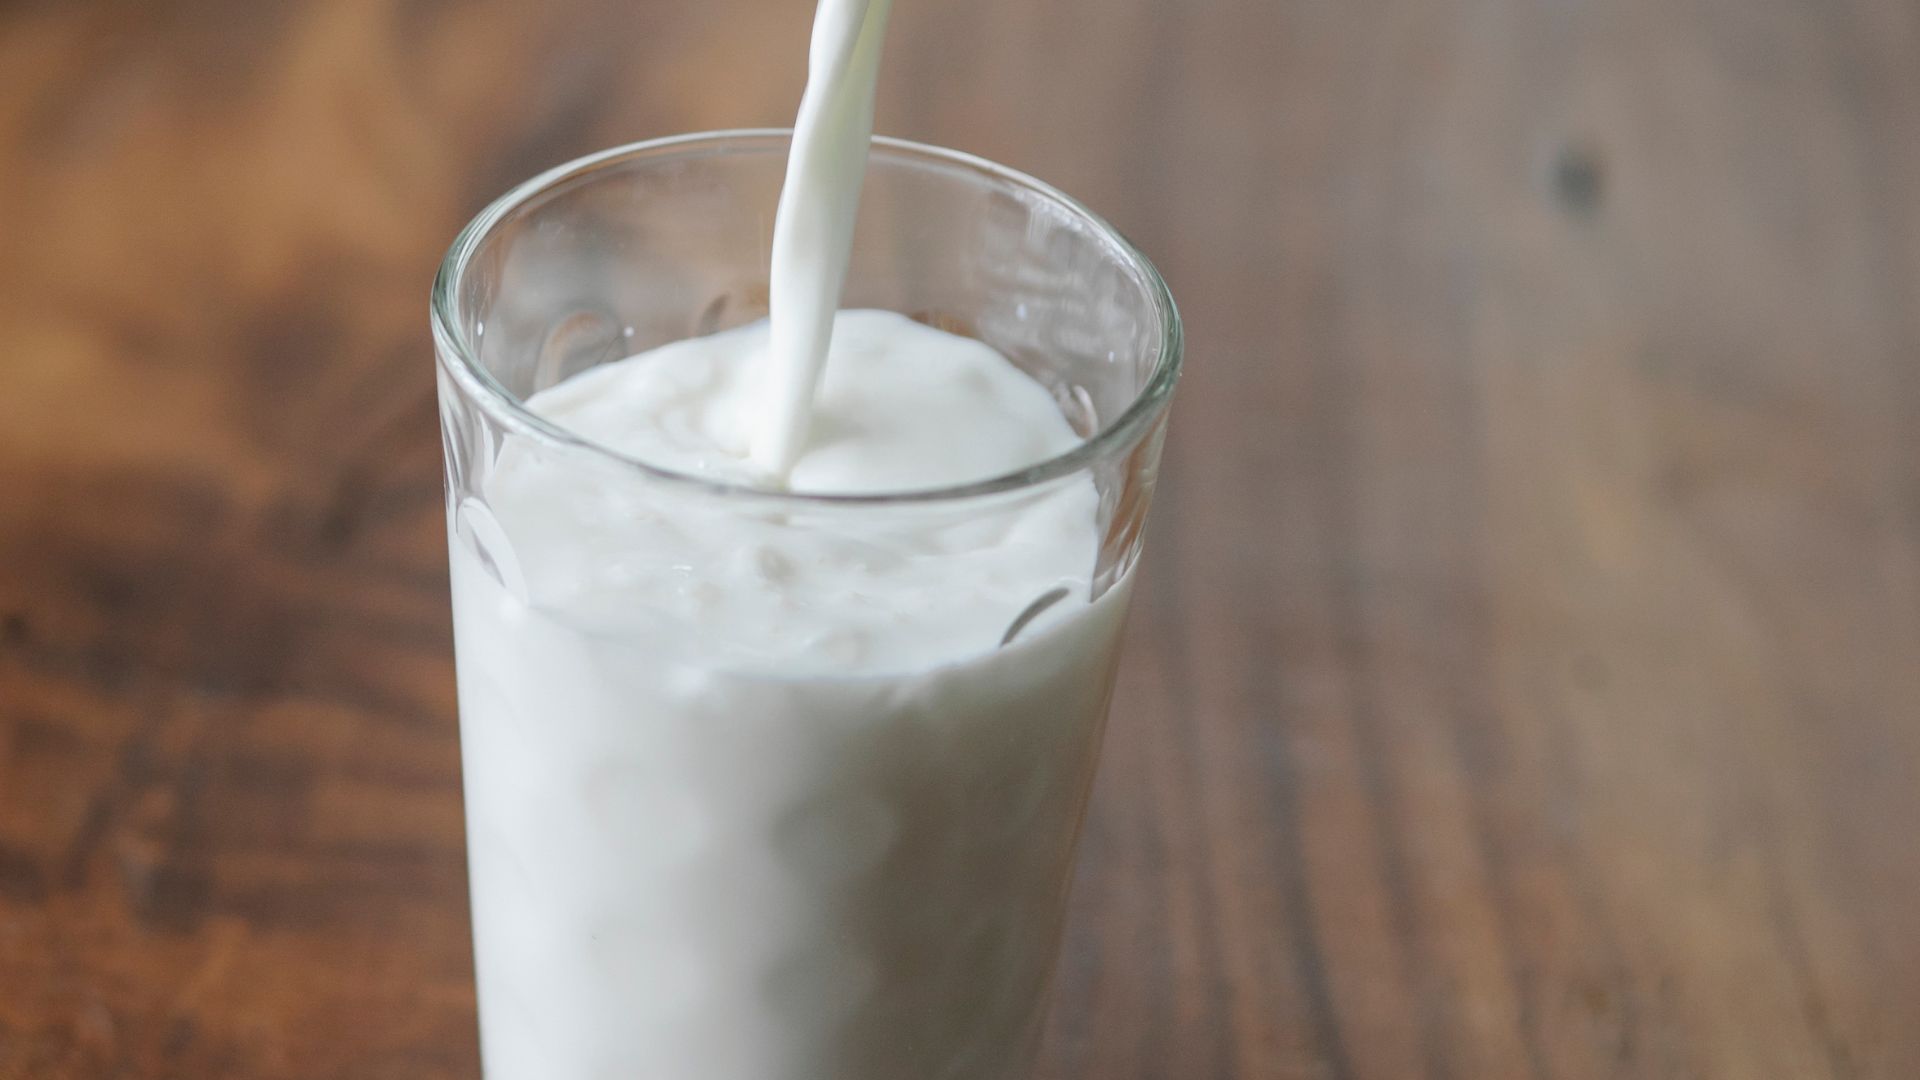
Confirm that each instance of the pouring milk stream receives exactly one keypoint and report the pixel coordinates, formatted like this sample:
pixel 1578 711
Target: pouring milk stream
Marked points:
pixel 813 230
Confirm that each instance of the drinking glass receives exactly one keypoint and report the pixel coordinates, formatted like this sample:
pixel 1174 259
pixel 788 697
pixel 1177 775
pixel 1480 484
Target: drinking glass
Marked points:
pixel 688 859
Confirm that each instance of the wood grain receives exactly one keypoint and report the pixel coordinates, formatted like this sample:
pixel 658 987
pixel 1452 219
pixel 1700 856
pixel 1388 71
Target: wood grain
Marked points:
pixel 1526 677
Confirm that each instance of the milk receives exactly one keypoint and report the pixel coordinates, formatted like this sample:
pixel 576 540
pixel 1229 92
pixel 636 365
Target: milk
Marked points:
pixel 759 795
pixel 759 788
pixel 813 229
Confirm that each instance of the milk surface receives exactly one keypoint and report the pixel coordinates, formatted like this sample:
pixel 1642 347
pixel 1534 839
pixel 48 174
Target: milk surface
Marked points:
pixel 757 794
pixel 902 407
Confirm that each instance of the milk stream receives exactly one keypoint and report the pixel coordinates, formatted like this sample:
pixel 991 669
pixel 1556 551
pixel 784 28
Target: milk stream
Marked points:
pixel 753 790
pixel 813 230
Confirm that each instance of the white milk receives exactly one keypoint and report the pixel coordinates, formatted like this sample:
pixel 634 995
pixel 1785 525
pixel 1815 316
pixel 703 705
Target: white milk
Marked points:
pixel 754 790
pixel 813 230
pixel 755 794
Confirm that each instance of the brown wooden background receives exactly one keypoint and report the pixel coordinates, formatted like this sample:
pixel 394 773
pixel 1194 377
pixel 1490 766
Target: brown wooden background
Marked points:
pixel 1526 679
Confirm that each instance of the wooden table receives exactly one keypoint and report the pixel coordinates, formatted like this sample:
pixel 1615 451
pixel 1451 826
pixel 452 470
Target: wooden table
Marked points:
pixel 1526 676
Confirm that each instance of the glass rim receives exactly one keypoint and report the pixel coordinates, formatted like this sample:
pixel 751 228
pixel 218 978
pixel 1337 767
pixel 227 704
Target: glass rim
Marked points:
pixel 482 387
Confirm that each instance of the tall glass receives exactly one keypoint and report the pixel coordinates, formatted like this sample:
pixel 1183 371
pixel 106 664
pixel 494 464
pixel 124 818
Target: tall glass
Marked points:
pixel 688 861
